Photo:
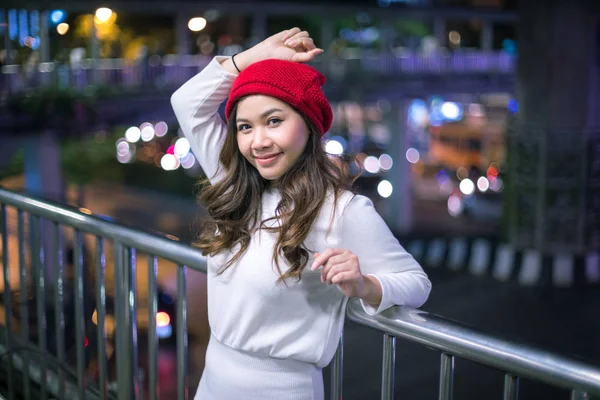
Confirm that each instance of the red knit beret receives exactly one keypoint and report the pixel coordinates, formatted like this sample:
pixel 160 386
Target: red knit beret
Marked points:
pixel 296 84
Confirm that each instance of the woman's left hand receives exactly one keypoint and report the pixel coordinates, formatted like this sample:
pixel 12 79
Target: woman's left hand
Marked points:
pixel 341 267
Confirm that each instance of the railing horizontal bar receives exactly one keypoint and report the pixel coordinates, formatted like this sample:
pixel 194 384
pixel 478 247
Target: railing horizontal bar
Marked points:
pixel 470 343
pixel 146 242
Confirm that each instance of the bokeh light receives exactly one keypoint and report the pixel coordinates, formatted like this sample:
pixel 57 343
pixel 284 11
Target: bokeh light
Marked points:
pixel 103 14
pixel 385 162
pixel 334 147
pixel 197 24
pixel 62 28
pixel 467 187
pixel 385 189
pixel 133 134
pixel 412 155
pixel 371 164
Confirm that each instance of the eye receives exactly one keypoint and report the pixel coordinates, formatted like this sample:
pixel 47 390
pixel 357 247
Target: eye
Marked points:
pixel 274 121
pixel 243 127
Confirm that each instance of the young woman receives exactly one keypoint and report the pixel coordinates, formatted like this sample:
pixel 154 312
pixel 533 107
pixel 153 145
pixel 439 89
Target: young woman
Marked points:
pixel 286 244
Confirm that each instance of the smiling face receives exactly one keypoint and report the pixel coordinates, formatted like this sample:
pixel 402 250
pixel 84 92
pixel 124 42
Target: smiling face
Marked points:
pixel 271 135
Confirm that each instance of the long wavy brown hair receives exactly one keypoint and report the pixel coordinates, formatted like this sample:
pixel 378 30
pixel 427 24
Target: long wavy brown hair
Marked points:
pixel 234 202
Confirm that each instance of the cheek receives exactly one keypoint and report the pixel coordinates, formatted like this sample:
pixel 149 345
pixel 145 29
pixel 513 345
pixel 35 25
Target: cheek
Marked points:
pixel 299 140
pixel 243 146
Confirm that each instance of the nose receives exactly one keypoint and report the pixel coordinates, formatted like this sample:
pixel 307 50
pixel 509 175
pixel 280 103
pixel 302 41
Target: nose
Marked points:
pixel 260 139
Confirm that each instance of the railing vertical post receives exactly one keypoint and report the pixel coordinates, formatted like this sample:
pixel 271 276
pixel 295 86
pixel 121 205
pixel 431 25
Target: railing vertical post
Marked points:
pixel 125 313
pixel 80 332
pixel 152 337
pixel 37 268
pixel 7 297
pixel 511 387
pixel 182 386
pixel 59 313
pixel 337 371
pixel 446 376
pixel 101 315
pixel 578 395
pixel 388 367
pixel 23 297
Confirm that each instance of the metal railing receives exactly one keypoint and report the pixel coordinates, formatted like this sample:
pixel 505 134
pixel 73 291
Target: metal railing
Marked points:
pixel 173 70
pixel 125 242
pixel 452 339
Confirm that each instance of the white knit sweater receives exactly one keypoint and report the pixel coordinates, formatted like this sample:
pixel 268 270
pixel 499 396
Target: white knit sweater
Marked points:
pixel 247 309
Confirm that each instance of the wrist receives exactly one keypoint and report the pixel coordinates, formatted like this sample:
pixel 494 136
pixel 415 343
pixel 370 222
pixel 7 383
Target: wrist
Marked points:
pixel 246 58
pixel 372 290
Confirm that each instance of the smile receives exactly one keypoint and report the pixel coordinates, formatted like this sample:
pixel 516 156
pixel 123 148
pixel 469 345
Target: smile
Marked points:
pixel 265 162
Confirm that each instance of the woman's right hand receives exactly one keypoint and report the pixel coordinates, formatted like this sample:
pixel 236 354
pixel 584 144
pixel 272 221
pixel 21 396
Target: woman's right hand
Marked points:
pixel 290 45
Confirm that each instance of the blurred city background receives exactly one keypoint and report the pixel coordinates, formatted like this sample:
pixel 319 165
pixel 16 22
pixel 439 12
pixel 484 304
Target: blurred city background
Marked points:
pixel 476 121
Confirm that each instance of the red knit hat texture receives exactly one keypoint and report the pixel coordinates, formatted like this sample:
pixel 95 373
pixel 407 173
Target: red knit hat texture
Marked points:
pixel 296 84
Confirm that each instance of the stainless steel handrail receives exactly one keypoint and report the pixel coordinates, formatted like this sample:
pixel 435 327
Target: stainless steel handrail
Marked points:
pixel 456 339
pixel 162 246
pixel 449 337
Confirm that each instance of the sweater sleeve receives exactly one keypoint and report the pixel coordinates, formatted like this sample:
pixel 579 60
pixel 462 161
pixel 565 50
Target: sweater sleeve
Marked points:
pixel 196 106
pixel 380 254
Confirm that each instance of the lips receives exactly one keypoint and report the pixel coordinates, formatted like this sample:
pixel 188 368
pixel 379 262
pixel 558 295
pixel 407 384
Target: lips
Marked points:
pixel 268 159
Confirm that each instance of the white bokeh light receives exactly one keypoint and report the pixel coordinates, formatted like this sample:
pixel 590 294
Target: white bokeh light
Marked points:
pixel 161 129
pixel 147 133
pixel 103 14
pixel 455 206
pixel 450 110
pixel 182 147
pixel 483 184
pixel 125 158
pixel 385 162
pixel 122 147
pixel 371 164
pixel 334 147
pixel 197 24
pixel 133 134
pixel 169 162
pixel 412 155
pixel 467 187
pixel 385 189
pixel 188 161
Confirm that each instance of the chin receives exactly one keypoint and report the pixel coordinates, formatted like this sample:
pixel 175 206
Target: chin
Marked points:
pixel 270 177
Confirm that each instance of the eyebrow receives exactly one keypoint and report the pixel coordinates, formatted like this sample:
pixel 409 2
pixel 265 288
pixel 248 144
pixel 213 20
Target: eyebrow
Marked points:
pixel 262 116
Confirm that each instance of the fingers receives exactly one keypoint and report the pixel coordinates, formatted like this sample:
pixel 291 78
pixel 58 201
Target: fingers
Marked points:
pixel 321 258
pixel 342 277
pixel 331 263
pixel 345 269
pixel 306 56
pixel 296 39
pixel 289 33
pixel 303 44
